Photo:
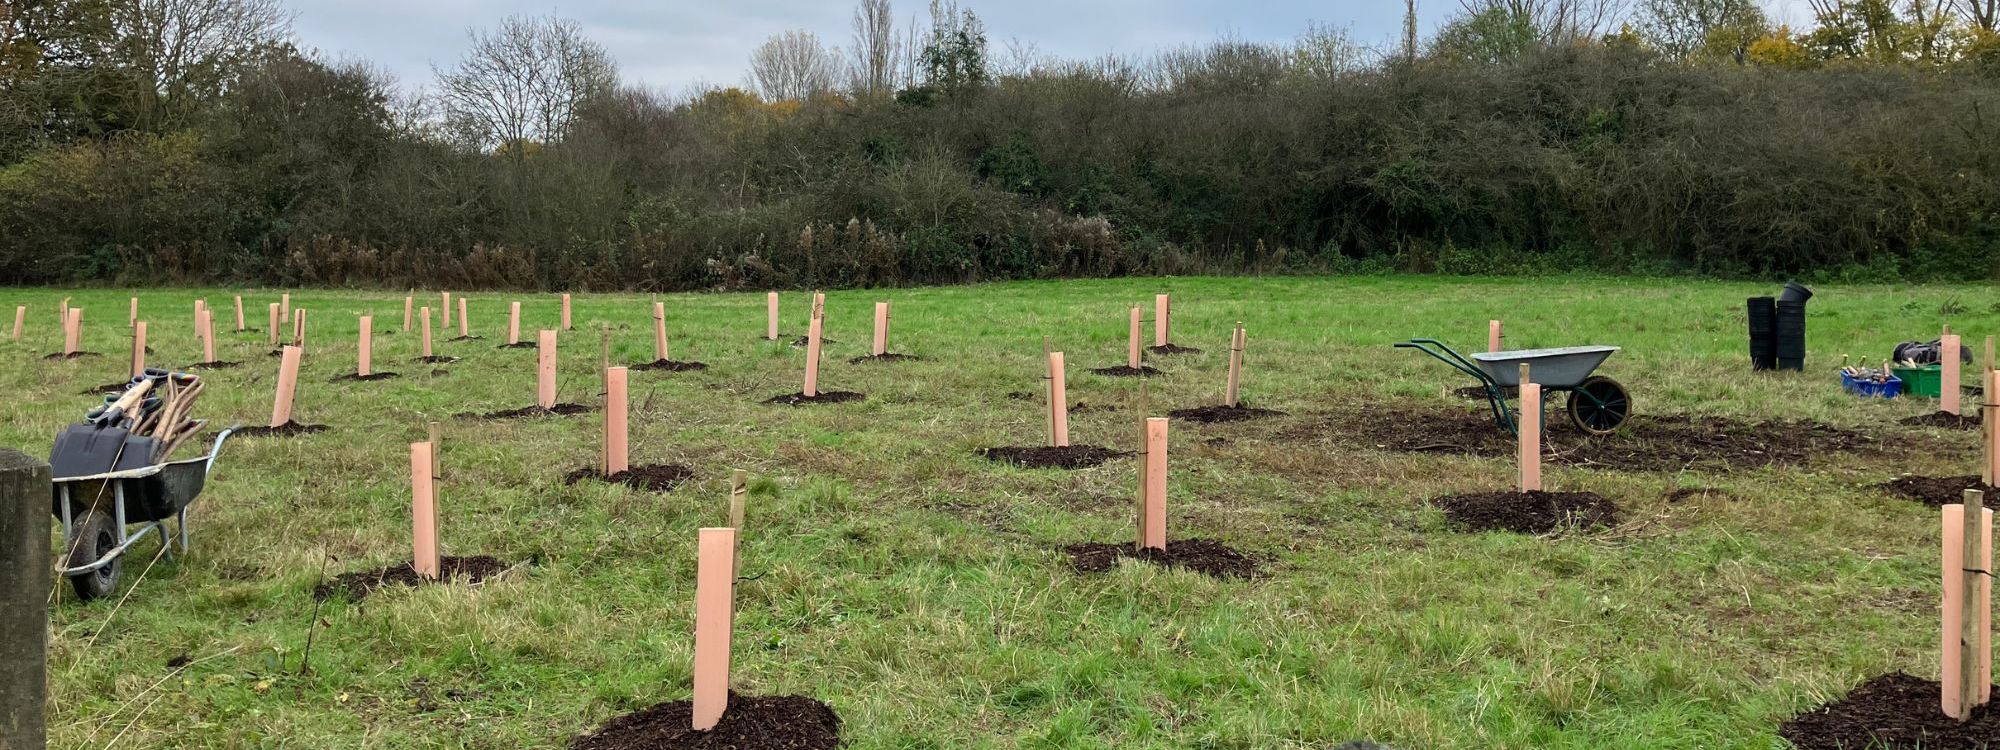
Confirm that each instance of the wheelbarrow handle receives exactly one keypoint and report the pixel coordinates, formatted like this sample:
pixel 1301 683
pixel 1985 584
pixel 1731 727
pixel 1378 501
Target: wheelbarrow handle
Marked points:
pixel 1442 353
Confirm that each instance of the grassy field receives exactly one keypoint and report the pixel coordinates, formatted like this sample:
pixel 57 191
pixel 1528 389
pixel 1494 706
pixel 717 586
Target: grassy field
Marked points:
pixel 922 591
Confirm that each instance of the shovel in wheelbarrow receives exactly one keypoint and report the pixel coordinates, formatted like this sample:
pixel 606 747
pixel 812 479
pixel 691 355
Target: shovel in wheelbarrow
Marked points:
pixel 104 442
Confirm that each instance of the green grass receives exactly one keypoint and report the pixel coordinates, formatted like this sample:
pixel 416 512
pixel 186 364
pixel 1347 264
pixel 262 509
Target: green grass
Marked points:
pixel 921 590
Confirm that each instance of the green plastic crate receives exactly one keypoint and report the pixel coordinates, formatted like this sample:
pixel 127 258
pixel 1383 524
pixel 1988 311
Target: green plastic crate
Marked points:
pixel 1926 381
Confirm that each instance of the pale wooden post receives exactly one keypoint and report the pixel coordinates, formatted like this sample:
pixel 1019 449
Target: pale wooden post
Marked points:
pixel 565 314
pixel 739 493
pixel 1965 533
pixel 1492 335
pixel 208 335
pixel 714 608
pixel 545 370
pixel 1153 534
pixel 1237 343
pixel 881 329
pixel 285 308
pixel 138 348
pixel 444 308
pixel 288 383
pixel 1949 346
pixel 513 323
pixel 426 317
pixel 135 314
pixel 423 513
pixel 1132 340
pixel 367 347
pixel 1985 645
pixel 73 339
pixel 200 306
pixel 1530 426
pixel 464 322
pixel 1160 312
pixel 409 310
pixel 273 328
pixel 660 332
pixel 25 489
pixel 812 345
pixel 1058 401
pixel 299 328
pixel 20 320
pixel 616 428
pixel 239 313
pixel 771 316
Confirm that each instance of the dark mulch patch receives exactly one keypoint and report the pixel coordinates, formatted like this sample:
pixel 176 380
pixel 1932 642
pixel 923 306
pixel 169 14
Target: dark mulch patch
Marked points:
pixel 668 365
pixel 559 410
pixel 1123 371
pixel 369 378
pixel 1023 396
pixel 1172 348
pixel 1936 492
pixel 216 365
pixel 1892 712
pixel 358 586
pixel 1199 555
pixel 1646 443
pixel 1943 419
pixel 107 389
pixel 1527 512
pixel 519 345
pixel 824 397
pixel 1219 414
pixel 180 661
pixel 435 360
pixel 278 352
pixel 463 338
pixel 752 723
pixel 71 355
pixel 803 341
pixel 1685 494
pixel 1478 392
pixel 889 357
pixel 655 477
pixel 1052 457
pixel 287 429
pixel 440 373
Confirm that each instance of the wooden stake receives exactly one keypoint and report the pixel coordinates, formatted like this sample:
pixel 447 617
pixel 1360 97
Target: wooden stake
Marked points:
pixel 1236 344
pixel 73 337
pixel 714 608
pixel 1962 682
pixel 464 322
pixel 1058 401
pixel 545 370
pixel 771 316
pixel 616 430
pixel 285 308
pixel 365 358
pixel 288 384
pixel 200 306
pixel 409 310
pixel 1153 532
pixel 1160 312
pixel 239 313
pixel 565 314
pixel 513 323
pixel 20 320
pixel 1949 346
pixel 1985 645
pixel 208 335
pixel 427 331
pixel 813 330
pixel 660 331
pixel 134 322
pixel 1530 426
pixel 138 348
pixel 1132 341
pixel 881 329
pixel 444 308
pixel 299 328
pixel 1492 335
pixel 423 513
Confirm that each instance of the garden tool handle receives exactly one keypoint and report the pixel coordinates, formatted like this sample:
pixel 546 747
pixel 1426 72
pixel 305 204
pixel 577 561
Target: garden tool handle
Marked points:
pixel 132 398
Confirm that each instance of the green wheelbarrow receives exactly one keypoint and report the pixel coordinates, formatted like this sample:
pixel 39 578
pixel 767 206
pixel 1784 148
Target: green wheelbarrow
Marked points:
pixel 1597 405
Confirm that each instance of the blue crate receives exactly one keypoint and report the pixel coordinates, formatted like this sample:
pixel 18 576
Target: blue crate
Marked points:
pixel 1870 388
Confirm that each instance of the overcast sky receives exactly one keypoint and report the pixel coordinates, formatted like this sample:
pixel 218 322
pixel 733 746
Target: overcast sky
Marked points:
pixel 678 44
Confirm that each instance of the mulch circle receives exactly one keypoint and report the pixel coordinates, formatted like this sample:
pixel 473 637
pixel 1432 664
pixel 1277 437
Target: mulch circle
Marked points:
pixel 71 355
pixel 788 722
pixel 1200 555
pixel 1053 457
pixel 287 429
pixel 1171 348
pixel 463 338
pixel 436 359
pixel 824 397
pixel 216 365
pixel 369 378
pixel 1892 712
pixel 1022 396
pixel 1124 371
pixel 803 341
pixel 668 365
pixel 559 410
pixel 358 586
pixel 1220 414
pixel 1943 419
pixel 654 477
pixel 1527 512
pixel 1936 492
pixel 888 357
pixel 519 345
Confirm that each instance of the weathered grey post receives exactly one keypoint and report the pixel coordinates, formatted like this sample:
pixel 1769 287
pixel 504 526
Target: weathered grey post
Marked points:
pixel 24 599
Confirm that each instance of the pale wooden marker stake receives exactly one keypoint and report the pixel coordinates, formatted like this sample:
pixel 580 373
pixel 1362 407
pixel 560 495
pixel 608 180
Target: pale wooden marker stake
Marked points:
pixel 545 370
pixel 1964 676
pixel 1058 401
pixel 285 308
pixel 565 314
pixel 464 322
pixel 1132 341
pixel 714 608
pixel 771 316
pixel 812 346
pixel 1985 646
pixel 1153 534
pixel 616 428
pixel 208 335
pixel 660 332
pixel 1530 426
pixel 364 366
pixel 513 323
pixel 200 306
pixel 444 308
pixel 881 329
pixel 423 513
pixel 299 328
pixel 426 317
pixel 1160 312
pixel 20 320
pixel 1949 347
pixel 288 384
pixel 138 348
pixel 1492 335
pixel 135 313
pixel 273 328
pixel 239 313
pixel 1236 344
pixel 73 338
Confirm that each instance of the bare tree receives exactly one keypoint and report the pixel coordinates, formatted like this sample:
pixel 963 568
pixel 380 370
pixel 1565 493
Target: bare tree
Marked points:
pixel 794 66
pixel 1984 14
pixel 523 81
pixel 1683 27
pixel 872 60
pixel 1557 21
pixel 185 48
pixel 1410 30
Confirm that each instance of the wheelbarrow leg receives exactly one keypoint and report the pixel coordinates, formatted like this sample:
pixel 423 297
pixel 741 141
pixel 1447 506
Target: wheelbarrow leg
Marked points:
pixel 183 522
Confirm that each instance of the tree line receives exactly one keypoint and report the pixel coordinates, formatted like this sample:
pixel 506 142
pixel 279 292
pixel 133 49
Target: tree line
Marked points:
pixel 192 141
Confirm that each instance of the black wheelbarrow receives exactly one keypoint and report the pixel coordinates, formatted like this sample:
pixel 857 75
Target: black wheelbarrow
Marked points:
pixel 98 513
pixel 1597 405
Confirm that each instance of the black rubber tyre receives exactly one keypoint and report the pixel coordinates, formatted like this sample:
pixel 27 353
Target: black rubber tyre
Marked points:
pixel 98 536
pixel 1599 406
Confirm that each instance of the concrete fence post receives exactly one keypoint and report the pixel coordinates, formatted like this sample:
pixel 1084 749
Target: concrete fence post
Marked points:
pixel 24 596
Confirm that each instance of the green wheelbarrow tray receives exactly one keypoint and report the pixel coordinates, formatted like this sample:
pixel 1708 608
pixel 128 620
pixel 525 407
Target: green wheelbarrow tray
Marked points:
pixel 1597 405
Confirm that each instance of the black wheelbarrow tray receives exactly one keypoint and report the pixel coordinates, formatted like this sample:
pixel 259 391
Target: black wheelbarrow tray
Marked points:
pixel 96 511
pixel 1597 405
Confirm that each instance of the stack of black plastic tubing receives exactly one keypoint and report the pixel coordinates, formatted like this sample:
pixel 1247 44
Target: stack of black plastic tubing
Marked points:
pixel 1778 329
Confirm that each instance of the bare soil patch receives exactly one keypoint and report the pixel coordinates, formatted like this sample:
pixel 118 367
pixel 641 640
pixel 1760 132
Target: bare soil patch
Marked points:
pixel 1892 712
pixel 287 429
pixel 804 341
pixel 1172 348
pixel 1220 414
pixel 435 359
pixel 1053 457
pixel 1943 419
pixel 1935 491
pixel 653 477
pixel 1124 371
pixel 526 412
pixel 824 397
pixel 358 586
pixel 71 355
pixel 520 345
pixel 1200 555
pixel 668 365
pixel 369 378
pixel 751 723
pixel 216 365
pixel 887 357
pixel 1527 512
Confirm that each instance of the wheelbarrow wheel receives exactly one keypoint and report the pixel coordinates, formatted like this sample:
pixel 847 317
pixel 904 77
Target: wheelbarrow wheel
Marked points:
pixel 96 536
pixel 1599 405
